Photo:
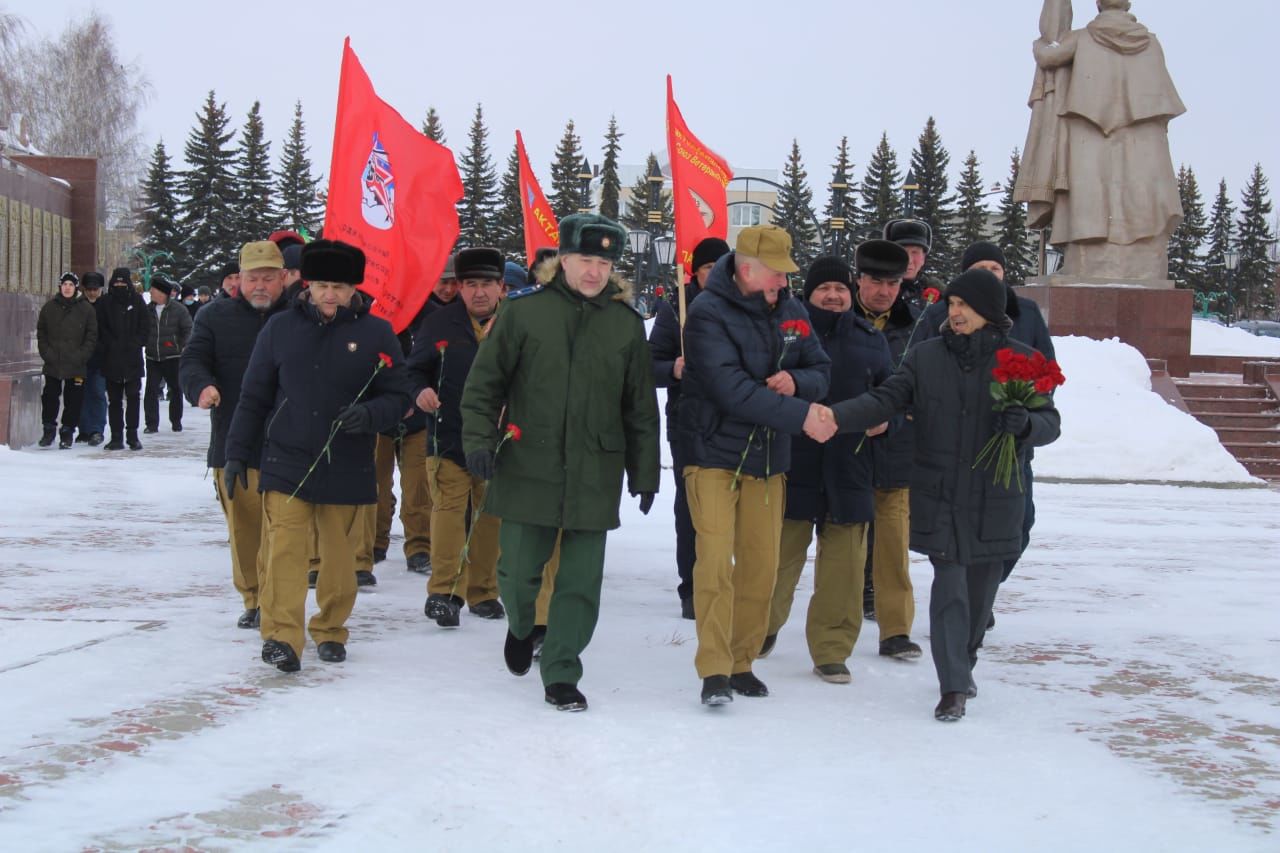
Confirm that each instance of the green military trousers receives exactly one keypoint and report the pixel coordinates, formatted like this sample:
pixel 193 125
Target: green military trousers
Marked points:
pixel 575 601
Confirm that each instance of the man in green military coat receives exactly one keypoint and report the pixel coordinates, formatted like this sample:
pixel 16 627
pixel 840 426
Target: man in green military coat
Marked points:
pixel 567 363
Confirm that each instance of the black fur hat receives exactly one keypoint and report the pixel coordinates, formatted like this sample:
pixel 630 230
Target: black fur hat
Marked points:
pixel 881 258
pixel 332 260
pixel 909 232
pixel 479 262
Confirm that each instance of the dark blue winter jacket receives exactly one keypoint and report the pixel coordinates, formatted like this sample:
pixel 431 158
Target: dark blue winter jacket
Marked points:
pixel 892 452
pixel 302 373
pixel 446 373
pixel 832 481
pixel 664 348
pixel 732 344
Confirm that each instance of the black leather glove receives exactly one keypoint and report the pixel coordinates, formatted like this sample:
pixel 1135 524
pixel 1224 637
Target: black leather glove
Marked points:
pixel 480 464
pixel 646 501
pixel 355 418
pixel 231 472
pixel 1014 419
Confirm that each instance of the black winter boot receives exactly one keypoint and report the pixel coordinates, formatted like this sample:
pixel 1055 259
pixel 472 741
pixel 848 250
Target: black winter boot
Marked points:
pixel 65 439
pixel 132 440
pixel 566 697
pixel 445 609
pixel 46 439
pixel 518 654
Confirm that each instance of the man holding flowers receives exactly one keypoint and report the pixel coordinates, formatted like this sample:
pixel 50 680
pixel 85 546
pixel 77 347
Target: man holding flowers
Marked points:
pixel 965 520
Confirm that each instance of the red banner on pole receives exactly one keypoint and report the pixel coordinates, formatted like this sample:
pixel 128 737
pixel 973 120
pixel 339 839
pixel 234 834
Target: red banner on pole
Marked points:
pixel 541 231
pixel 699 178
pixel 392 193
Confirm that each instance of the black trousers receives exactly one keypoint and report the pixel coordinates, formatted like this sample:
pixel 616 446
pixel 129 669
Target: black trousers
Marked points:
pixel 67 393
pixel 157 372
pixel 959 607
pixel 123 401
pixel 686 554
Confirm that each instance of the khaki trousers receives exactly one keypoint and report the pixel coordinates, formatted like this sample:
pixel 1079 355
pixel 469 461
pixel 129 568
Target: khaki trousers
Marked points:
pixel 477 579
pixel 835 609
pixel 288 530
pixel 244 528
pixel 891 563
pixel 543 604
pixel 738 542
pixel 415 492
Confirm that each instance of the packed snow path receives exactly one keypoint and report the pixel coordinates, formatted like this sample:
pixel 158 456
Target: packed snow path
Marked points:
pixel 1130 695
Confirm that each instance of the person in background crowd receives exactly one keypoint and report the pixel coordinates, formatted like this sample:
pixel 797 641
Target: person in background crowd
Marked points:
pixel 189 300
pixel 230 278
pixel 916 237
pixel 322 363
pixel 93 409
pixel 169 329
pixel 964 522
pixel 666 346
pixel 203 296
pixel 211 373
pixel 566 367
pixel 123 329
pixel 752 371
pixel 293 283
pixel 66 335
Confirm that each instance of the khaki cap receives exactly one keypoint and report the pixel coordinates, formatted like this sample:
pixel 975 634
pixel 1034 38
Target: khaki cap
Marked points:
pixel 262 254
pixel 769 244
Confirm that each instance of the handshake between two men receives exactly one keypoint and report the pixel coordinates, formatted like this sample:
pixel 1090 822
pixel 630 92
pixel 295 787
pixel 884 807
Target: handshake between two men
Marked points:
pixel 820 424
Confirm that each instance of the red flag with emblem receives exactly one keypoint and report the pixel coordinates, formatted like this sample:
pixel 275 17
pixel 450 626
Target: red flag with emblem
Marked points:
pixel 699 178
pixel 541 231
pixel 392 193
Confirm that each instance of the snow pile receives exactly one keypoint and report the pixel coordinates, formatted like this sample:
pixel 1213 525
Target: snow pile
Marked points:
pixel 1114 427
pixel 1208 338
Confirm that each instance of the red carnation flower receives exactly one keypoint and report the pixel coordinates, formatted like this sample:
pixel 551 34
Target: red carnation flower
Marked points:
pixel 513 432
pixel 442 345
pixel 658 292
pixel 931 295
pixel 385 359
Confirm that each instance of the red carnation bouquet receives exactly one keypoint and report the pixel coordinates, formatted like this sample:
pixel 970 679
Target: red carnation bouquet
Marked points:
pixel 1018 380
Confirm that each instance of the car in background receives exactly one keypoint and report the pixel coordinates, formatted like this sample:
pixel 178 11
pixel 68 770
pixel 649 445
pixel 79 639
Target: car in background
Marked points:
pixel 1262 328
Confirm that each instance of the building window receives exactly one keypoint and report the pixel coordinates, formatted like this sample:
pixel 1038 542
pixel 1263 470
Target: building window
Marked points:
pixel 744 215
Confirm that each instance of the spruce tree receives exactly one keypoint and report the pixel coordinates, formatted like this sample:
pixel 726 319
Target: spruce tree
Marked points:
pixel 158 218
pixel 879 191
pixel 636 216
pixel 842 172
pixel 300 206
pixel 566 189
pixel 1012 234
pixel 256 216
pixel 971 212
pixel 507 232
pixel 479 183
pixel 1255 277
pixel 610 183
pixel 432 128
pixel 1221 237
pixel 1186 266
pixel 793 209
pixel 209 216
pixel 933 203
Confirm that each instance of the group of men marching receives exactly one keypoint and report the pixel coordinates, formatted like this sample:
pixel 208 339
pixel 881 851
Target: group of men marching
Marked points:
pixel 853 411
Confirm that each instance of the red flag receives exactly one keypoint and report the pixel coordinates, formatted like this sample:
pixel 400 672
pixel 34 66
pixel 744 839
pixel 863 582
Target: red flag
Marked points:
pixel 392 192
pixel 541 231
pixel 698 180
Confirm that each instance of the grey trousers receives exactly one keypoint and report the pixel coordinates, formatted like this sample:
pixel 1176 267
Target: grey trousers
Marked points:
pixel 959 607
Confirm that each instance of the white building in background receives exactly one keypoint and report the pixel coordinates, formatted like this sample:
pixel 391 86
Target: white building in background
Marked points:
pixel 747 207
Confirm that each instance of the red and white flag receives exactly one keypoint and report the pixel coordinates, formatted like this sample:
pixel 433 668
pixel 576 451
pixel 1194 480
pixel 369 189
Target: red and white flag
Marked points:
pixel 393 193
pixel 699 178
pixel 541 231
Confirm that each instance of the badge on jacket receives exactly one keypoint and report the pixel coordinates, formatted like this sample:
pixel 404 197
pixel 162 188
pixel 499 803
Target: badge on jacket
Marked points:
pixel 352 346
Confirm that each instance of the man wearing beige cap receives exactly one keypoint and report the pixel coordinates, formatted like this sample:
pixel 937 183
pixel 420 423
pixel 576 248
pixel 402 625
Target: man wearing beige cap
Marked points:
pixel 211 372
pixel 752 369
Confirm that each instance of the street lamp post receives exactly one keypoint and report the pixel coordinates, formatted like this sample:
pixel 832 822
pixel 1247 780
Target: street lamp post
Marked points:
pixel 1231 260
pixel 664 252
pixel 839 186
pixel 584 176
pixel 638 243
pixel 909 190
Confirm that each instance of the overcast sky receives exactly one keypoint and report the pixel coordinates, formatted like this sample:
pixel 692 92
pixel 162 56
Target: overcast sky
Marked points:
pixel 748 77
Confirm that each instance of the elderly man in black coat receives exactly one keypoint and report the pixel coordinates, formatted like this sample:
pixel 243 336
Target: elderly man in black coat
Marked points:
pixel 211 372
pixel 966 523
pixel 324 377
pixel 829 486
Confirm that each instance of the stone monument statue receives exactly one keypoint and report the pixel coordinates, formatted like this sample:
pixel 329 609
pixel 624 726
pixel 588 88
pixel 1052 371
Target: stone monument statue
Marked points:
pixel 1096 168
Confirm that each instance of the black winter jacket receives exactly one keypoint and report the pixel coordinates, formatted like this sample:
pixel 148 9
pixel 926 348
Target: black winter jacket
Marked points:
pixel 891 453
pixel 664 348
pixel 302 373
pixel 446 373
pixel 67 336
pixel 218 355
pixel 123 334
pixel 832 481
pixel 957 512
pixel 732 344
pixel 169 330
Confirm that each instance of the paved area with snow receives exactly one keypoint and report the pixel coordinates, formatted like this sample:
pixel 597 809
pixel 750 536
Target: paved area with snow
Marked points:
pixel 1130 696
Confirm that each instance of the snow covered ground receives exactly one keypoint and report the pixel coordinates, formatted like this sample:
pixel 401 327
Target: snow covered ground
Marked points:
pixel 1209 338
pixel 1130 696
